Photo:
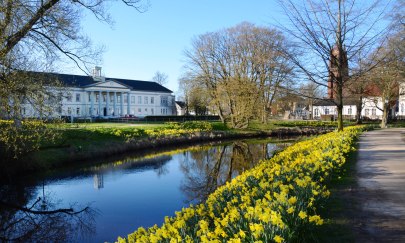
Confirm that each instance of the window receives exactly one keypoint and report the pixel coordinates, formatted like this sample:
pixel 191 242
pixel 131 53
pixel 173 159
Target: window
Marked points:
pixel 349 111
pixel 163 100
pixel 97 97
pixel 327 111
pixel 139 110
pixel 77 97
pixel 69 110
pixel 373 112
pixel 132 99
pixel 146 109
pixel 316 112
pixel 146 100
pixel 366 112
pixel 89 96
pixel 139 99
pixel 152 100
pixel 78 111
pixel 104 97
pixel 125 99
pixel 111 98
pixel 152 111
pixel 69 97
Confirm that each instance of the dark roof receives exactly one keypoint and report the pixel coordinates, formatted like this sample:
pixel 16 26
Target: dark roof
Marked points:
pixel 72 80
pixel 329 102
pixel 81 81
pixel 141 85
pixel 182 104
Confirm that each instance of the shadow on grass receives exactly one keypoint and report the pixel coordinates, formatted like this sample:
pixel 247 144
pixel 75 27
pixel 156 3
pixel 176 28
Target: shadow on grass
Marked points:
pixel 341 206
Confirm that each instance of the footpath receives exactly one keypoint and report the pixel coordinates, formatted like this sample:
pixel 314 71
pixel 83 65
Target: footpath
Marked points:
pixel 380 172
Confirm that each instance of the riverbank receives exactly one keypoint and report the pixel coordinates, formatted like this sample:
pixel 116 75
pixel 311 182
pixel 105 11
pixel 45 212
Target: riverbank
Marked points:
pixel 77 145
pixel 278 200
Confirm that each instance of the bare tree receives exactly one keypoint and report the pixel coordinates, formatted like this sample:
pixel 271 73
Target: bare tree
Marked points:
pixel 34 35
pixel 310 93
pixel 160 78
pixel 331 35
pixel 388 75
pixel 241 68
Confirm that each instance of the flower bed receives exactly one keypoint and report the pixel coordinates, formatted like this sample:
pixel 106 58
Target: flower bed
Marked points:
pixel 276 201
pixel 173 129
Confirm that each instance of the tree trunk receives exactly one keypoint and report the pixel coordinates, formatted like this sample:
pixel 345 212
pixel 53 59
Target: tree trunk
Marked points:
pixel 340 106
pixel 384 117
pixel 359 106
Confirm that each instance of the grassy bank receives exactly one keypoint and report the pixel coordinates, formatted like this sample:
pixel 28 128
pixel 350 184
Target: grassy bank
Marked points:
pixel 83 141
pixel 278 201
pixel 91 140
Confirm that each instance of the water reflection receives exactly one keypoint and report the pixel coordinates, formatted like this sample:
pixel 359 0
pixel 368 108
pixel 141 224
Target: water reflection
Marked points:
pixel 23 219
pixel 128 192
pixel 205 170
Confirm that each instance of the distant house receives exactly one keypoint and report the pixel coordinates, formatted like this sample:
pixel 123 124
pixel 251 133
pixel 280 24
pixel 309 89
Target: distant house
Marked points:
pixel 371 108
pixel 98 96
pixel 327 108
pixel 372 103
pixel 181 108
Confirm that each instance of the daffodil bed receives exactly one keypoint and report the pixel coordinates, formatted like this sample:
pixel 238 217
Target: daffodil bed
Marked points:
pixel 277 201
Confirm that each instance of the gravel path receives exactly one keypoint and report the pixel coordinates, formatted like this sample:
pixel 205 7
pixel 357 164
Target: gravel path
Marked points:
pixel 381 186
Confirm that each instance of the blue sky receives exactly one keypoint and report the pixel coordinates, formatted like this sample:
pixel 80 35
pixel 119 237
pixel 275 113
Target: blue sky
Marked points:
pixel 139 44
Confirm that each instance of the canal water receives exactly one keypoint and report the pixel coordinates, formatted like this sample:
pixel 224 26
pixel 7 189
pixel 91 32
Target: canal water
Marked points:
pixel 114 197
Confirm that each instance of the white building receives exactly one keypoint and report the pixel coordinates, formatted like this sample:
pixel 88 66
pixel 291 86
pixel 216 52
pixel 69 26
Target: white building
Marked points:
pixel 372 108
pixel 98 96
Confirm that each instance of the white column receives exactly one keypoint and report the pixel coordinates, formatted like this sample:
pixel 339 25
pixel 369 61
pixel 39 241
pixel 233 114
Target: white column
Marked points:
pixel 115 103
pixel 107 103
pixel 91 103
pixel 129 104
pixel 99 102
pixel 122 104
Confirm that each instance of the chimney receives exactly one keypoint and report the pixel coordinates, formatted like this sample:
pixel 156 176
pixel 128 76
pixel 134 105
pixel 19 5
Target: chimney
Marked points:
pixel 97 74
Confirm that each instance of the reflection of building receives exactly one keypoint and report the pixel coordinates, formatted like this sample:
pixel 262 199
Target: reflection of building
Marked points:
pixel 99 96
pixel 98 181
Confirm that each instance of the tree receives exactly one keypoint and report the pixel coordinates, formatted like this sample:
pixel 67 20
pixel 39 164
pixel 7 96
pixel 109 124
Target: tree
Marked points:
pixel 331 35
pixel 388 75
pixel 34 36
pixel 241 68
pixel 310 92
pixel 160 78
pixel 194 94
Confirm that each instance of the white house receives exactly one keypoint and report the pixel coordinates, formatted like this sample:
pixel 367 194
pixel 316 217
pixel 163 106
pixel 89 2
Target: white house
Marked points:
pixel 98 96
pixel 181 108
pixel 372 108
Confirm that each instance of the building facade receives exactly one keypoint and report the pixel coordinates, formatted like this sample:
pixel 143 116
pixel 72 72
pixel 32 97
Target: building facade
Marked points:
pixel 98 96
pixel 371 108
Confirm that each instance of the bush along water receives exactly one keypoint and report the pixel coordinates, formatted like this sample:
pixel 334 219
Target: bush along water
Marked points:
pixel 173 129
pixel 277 201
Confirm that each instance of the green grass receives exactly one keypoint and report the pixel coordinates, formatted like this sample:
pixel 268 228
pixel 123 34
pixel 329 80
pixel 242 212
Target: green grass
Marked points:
pixel 81 140
pixel 256 125
pixel 340 206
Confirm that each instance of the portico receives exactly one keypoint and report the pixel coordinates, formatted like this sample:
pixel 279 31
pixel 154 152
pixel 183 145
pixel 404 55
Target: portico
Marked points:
pixel 107 103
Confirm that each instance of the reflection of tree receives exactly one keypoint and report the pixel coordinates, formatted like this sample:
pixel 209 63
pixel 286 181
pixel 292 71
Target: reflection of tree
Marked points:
pixel 42 220
pixel 161 168
pixel 205 170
